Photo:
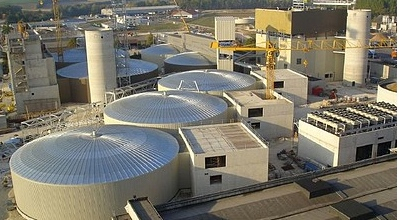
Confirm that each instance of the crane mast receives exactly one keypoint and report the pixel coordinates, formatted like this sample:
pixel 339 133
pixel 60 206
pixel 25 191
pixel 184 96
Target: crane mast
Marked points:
pixel 58 33
pixel 305 46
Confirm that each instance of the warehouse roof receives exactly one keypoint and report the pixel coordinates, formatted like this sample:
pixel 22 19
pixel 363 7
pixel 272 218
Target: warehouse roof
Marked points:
pixel 373 186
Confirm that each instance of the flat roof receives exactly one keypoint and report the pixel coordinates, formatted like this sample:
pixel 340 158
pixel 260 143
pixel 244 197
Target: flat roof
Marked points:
pixel 254 98
pixel 220 138
pixel 373 186
pixel 346 120
pixel 281 74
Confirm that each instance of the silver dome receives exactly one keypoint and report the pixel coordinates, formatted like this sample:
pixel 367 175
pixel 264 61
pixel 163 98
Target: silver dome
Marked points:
pixel 188 59
pixel 77 157
pixel 134 67
pixel 74 55
pixel 160 49
pixel 169 107
pixel 208 80
pixel 77 55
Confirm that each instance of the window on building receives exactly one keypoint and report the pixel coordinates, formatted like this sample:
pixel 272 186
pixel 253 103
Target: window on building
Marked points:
pixel 255 125
pixel 383 148
pixel 285 66
pixel 278 84
pixel 215 179
pixel 255 112
pixel 364 152
pixel 213 162
pixel 299 61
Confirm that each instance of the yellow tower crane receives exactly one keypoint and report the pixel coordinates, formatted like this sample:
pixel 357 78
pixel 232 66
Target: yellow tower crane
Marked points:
pixel 186 27
pixel 58 33
pixel 272 49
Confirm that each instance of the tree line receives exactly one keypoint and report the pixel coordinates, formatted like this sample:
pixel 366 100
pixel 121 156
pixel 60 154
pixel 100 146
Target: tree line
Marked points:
pixel 13 13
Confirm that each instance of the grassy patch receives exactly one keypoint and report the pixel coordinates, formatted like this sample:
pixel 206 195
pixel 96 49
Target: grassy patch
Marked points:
pixel 160 27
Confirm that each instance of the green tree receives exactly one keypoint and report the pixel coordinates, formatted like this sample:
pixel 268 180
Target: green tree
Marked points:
pixel 150 39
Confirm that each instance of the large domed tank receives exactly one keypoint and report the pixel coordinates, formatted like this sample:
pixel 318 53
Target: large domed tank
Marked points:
pixel 86 174
pixel 387 91
pixel 211 81
pixel 166 110
pixel 73 79
pixel 187 61
pixel 158 53
pixel 74 55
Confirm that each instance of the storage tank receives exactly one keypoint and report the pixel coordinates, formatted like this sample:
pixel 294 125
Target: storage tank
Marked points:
pixel 101 63
pixel 158 53
pixel 74 83
pixel 167 110
pixel 211 81
pixel 187 61
pixel 89 173
pixel 355 62
pixel 74 55
pixel 387 91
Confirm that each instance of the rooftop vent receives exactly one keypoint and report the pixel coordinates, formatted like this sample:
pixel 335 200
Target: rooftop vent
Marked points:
pixel 314 187
pixel 352 210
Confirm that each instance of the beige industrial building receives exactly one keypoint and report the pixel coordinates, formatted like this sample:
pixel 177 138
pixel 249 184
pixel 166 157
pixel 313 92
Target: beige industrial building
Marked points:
pixel 222 155
pixel 286 27
pixel 340 136
pixel 288 83
pixel 271 118
pixel 32 73
pixel 193 42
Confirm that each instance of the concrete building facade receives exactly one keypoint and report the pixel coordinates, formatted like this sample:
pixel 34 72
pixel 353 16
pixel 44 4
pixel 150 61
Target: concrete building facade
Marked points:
pixel 285 28
pixel 32 72
pixel 345 135
pixel 288 83
pixel 221 156
pixel 271 118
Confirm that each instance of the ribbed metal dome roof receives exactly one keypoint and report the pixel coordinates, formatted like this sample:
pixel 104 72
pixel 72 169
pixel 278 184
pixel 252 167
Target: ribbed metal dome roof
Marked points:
pixel 188 59
pixel 160 49
pixel 134 67
pixel 208 80
pixel 74 55
pixel 165 107
pixel 77 55
pixel 76 157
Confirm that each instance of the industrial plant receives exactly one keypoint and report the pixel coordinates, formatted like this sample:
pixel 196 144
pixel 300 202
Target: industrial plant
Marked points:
pixel 203 126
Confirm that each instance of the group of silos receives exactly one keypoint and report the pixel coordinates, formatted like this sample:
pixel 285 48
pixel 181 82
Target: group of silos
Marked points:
pixel 89 172
pixel 89 72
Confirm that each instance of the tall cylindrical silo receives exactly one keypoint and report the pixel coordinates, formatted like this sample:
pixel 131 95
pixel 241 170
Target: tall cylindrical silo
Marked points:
pixel 357 33
pixel 100 63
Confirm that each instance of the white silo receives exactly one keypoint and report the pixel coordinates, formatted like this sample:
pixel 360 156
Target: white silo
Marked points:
pixel 167 110
pixel 86 174
pixel 101 63
pixel 210 81
pixel 357 32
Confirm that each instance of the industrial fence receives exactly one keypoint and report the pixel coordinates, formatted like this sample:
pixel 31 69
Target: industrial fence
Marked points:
pixel 272 183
